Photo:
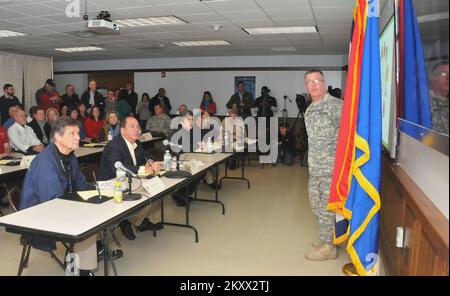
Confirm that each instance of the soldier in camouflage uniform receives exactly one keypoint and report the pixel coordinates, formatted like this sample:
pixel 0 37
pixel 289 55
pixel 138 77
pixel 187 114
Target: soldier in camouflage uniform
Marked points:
pixel 439 97
pixel 322 119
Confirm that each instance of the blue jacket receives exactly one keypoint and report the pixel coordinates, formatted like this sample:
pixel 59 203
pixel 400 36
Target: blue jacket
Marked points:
pixel 46 180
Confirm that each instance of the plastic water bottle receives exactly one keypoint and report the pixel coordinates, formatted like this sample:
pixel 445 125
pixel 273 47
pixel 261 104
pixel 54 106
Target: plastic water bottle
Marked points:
pixel 166 162
pixel 121 177
pixel 209 146
pixel 118 192
pixel 110 136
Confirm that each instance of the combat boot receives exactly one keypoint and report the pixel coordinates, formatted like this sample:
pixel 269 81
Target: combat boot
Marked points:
pixel 316 244
pixel 323 253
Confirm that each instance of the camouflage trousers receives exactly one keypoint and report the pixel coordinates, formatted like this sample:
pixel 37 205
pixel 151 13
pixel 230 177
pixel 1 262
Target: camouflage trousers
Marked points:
pixel 319 193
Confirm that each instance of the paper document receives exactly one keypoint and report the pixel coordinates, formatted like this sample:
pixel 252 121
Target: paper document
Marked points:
pixel 85 195
pixel 154 186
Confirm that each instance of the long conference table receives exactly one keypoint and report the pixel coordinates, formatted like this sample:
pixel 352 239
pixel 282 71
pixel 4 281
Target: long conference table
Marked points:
pixel 54 219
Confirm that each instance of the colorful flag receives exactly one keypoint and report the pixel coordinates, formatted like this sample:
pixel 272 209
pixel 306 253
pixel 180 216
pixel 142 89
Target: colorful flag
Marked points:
pixel 414 100
pixel 357 172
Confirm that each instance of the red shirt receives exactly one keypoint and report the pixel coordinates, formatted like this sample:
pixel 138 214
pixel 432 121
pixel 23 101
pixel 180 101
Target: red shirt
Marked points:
pixel 3 139
pixel 46 103
pixel 212 109
pixel 93 128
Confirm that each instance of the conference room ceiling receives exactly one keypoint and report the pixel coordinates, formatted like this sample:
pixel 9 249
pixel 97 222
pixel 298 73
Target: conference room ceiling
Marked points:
pixel 47 27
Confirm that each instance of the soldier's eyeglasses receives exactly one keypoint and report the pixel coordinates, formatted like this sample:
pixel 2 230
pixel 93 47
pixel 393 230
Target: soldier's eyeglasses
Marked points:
pixel 315 81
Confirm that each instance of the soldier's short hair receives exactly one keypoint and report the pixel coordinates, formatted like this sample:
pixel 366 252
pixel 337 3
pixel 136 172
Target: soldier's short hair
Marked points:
pixel 310 71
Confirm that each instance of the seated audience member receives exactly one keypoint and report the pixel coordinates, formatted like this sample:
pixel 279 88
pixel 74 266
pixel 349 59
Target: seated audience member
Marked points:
pixel 40 127
pixel 22 137
pixel 208 104
pixel 185 131
pixel 63 112
pixel 234 127
pixel 110 101
pixel 7 100
pixel 51 115
pixel 12 114
pixel 182 110
pixel 123 108
pixel 127 149
pixel 142 110
pixel 5 148
pixel 82 113
pixel 160 98
pixel 73 113
pixel 32 111
pixel 70 98
pixel 111 126
pixel 285 145
pixel 159 122
pixel 94 124
pixel 50 167
pixel 92 97
pixel 47 97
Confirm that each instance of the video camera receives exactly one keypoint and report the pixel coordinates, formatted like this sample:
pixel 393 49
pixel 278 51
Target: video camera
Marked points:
pixel 303 102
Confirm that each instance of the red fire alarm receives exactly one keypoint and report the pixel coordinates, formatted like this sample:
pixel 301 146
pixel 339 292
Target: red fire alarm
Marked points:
pixel 163 74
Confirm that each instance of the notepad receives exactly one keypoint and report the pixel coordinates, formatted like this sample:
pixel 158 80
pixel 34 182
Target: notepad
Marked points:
pixel 85 195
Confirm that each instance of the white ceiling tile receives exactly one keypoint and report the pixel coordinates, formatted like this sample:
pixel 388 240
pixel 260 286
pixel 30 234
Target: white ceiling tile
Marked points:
pixel 6 14
pixel 35 31
pixel 289 13
pixel 333 3
pixel 245 15
pixel 7 25
pixel 112 4
pixel 145 11
pixel 292 4
pixel 334 12
pixel 232 5
pixel 332 21
pixel 36 21
pixel 188 8
pixel 34 9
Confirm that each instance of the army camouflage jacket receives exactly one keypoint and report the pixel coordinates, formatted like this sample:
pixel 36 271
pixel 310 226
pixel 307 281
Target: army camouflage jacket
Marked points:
pixel 322 126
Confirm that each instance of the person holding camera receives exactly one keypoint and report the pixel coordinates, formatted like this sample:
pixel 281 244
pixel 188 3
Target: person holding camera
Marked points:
pixel 266 104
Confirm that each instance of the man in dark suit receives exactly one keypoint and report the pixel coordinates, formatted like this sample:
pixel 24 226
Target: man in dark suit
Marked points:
pixel 92 97
pixel 242 101
pixel 160 98
pixel 127 149
pixel 132 97
pixel 40 127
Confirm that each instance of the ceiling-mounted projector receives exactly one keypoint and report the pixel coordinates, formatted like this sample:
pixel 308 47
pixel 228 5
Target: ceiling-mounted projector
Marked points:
pixel 103 24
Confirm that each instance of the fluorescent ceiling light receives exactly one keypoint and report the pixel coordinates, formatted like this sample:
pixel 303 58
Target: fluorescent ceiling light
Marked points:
pixel 150 21
pixel 80 49
pixel 202 43
pixel 432 17
pixel 281 30
pixel 6 33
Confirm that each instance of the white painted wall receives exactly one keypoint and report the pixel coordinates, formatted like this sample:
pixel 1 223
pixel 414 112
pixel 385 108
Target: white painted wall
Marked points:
pixel 205 62
pixel 79 81
pixel 188 87
pixel 430 171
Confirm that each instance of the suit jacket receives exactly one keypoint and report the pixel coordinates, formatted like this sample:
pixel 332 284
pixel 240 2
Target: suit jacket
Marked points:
pixel 155 100
pixel 117 150
pixel 99 100
pixel 264 108
pixel 37 130
pixel 132 100
pixel 247 99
